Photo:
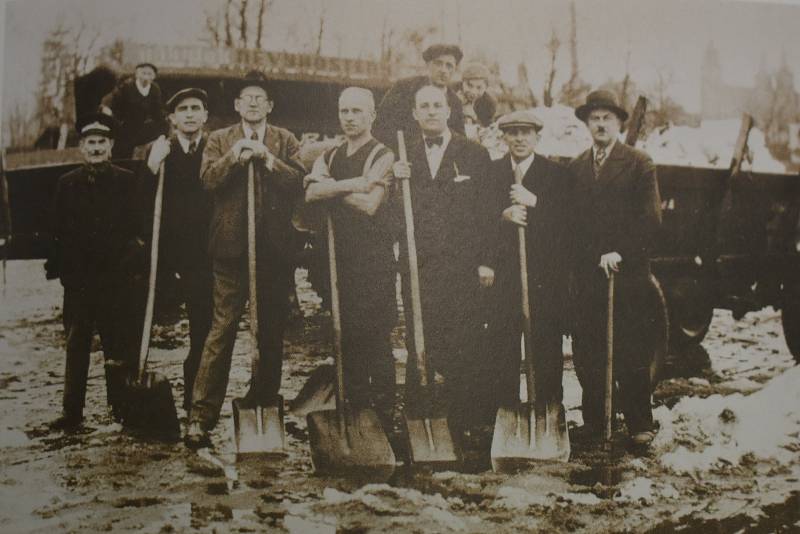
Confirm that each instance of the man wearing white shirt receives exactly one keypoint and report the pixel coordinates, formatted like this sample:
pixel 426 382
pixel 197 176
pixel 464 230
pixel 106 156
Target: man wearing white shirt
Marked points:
pixel 456 236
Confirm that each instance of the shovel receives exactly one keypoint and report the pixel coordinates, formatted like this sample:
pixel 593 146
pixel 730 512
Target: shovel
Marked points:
pixel 532 431
pixel 259 429
pixel 149 405
pixel 346 440
pixel 429 439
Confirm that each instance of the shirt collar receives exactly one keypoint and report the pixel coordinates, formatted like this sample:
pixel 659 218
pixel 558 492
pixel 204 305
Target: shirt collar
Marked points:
pixel 248 131
pixel 446 136
pixel 185 142
pixel 144 91
pixel 525 164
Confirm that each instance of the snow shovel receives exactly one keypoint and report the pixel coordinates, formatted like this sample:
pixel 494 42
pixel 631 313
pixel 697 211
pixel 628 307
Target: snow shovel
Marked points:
pixel 346 440
pixel 149 406
pixel 608 413
pixel 257 430
pixel 532 430
pixel 430 441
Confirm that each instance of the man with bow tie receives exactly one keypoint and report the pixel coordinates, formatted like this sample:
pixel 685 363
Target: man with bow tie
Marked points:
pixel 279 183
pixel 618 214
pixel 184 268
pixel 95 250
pixel 534 193
pixel 456 234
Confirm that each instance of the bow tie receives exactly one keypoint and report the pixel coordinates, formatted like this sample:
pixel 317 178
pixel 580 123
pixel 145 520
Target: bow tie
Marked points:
pixel 434 141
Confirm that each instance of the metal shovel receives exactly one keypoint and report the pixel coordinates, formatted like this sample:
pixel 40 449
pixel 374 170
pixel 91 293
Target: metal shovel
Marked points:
pixel 256 429
pixel 533 430
pixel 346 440
pixel 149 407
pixel 429 438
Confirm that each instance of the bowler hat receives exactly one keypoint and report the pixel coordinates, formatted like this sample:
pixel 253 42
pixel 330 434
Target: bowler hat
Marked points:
pixel 436 50
pixel 146 64
pixel 520 119
pixel 475 71
pixel 183 94
pixel 254 78
pixel 96 124
pixel 601 99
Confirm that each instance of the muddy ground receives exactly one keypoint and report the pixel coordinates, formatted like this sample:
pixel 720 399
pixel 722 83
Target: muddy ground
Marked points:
pixel 103 479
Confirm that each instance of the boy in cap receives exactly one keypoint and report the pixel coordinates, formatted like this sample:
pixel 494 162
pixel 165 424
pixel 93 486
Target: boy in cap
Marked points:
pixel 395 110
pixel 618 212
pixel 184 268
pixel 138 107
pixel 95 245
pixel 273 152
pixel 533 192
pixel 479 106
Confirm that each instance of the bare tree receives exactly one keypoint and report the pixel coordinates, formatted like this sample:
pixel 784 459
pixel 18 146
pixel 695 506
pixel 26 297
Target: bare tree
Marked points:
pixel 263 7
pixel 243 23
pixel 552 47
pixel 321 31
pixel 573 92
pixel 228 32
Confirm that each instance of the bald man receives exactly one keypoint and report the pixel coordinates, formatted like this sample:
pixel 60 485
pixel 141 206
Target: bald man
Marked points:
pixel 352 180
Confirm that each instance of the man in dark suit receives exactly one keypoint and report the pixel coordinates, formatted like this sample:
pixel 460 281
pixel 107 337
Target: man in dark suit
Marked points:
pixel 95 243
pixel 138 106
pixel 184 267
pixel 535 193
pixel 279 177
pixel 455 244
pixel 618 213
pixel 395 110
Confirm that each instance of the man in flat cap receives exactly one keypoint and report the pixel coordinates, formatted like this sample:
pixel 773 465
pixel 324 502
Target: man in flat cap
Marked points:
pixel 479 106
pixel 456 246
pixel 184 267
pixel 617 209
pixel 533 193
pixel 138 107
pixel 279 175
pixel 95 244
pixel 395 110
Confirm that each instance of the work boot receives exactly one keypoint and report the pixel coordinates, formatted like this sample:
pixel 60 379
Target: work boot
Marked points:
pixel 66 423
pixel 196 437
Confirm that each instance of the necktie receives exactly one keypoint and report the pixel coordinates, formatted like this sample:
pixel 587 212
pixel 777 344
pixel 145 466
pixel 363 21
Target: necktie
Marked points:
pixel 518 174
pixel 434 141
pixel 254 136
pixel 192 147
pixel 599 158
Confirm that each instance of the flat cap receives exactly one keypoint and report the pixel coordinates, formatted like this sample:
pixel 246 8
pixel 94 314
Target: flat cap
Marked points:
pixel 146 64
pixel 475 71
pixel 521 119
pixel 436 50
pixel 96 124
pixel 254 78
pixel 189 92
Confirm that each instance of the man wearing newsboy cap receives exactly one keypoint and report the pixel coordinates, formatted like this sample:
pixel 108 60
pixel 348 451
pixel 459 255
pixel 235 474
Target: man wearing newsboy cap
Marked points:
pixel 395 110
pixel 532 192
pixel 617 209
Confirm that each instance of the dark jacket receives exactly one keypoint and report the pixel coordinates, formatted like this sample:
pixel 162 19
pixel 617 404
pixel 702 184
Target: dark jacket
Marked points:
pixel 96 224
pixel 620 211
pixel 394 112
pixel 141 117
pixel 549 234
pixel 276 193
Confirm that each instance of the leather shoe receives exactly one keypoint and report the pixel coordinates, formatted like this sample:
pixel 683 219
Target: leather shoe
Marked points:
pixel 66 422
pixel 196 437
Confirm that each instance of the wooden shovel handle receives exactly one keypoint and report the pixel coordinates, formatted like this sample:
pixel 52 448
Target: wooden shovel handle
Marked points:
pixel 413 268
pixel 609 378
pixel 336 318
pixel 527 328
pixel 251 265
pixel 144 348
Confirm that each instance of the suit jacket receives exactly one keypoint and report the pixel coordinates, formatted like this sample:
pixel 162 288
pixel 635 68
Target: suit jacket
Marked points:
pixel 141 117
pixel 455 227
pixel 549 237
pixel 276 193
pixel 619 211
pixel 394 112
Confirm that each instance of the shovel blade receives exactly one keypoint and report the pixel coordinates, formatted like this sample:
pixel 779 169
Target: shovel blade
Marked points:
pixel 258 430
pixel 358 449
pixel 150 407
pixel 515 447
pixel 430 442
pixel 317 394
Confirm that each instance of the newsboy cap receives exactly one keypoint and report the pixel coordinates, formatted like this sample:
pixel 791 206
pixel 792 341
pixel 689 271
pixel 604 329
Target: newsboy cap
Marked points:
pixel 254 78
pixel 183 94
pixel 146 64
pixel 521 118
pixel 475 71
pixel 601 99
pixel 96 124
pixel 436 50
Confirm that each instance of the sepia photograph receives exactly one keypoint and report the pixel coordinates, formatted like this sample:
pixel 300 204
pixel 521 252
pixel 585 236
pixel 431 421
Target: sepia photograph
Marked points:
pixel 420 266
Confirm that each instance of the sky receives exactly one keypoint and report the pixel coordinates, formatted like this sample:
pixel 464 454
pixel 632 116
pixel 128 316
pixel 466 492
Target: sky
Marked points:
pixel 666 36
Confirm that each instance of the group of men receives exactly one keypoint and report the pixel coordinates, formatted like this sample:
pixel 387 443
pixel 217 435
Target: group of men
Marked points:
pixel 583 222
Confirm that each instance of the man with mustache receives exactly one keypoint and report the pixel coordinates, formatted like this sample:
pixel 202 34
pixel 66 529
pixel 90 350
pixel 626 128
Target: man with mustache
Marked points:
pixel 95 244
pixel 354 180
pixel 184 267
pixel 618 212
